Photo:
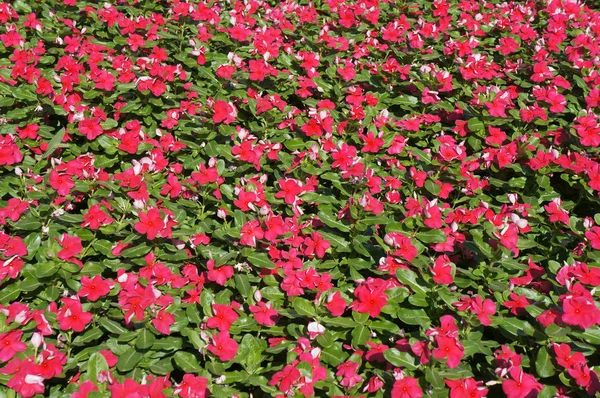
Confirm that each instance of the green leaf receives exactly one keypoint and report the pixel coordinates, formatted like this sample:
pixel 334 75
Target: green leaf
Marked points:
pixel 401 359
pixel 29 223
pixel 111 326
pixel 548 392
pixel 9 293
pixel 252 349
pixel 54 142
pixel 517 327
pixel 408 277
pixel 339 243
pixel 474 124
pixel 332 222
pixel 243 285
pixel 95 365
pixel 186 362
pixel 136 251
pixel 360 335
pixel 484 248
pixel 543 363
pixel 89 336
pixel 46 269
pixel 334 355
pixel 432 236
pixel 414 317
pixel 424 157
pixel 261 260
pixel 24 94
pixel 591 334
pixel 341 322
pixel 103 247
pixel 304 307
pixel 128 360
pixel 145 340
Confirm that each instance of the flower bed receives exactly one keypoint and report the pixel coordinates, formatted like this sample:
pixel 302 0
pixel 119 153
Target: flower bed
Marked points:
pixel 340 198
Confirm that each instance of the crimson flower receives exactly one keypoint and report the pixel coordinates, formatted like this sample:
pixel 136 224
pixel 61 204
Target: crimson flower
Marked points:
pixel 521 385
pixel 450 348
pixel 11 344
pixel 163 321
pixel 71 247
pixel 61 183
pixel 264 313
pixel 407 387
pixel 580 311
pixel 72 316
pixel 336 304
pixel 223 346
pixel 285 378
pixel 219 275
pixel 94 288
pixel 369 301
pixel 466 388
pixel 151 223
pixel 223 318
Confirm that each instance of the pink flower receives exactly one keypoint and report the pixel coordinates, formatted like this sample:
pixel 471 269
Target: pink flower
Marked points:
pixel 11 344
pixel 407 387
pixel 223 346
pixel 71 247
pixel 151 223
pixel 163 321
pixel 521 385
pixel 94 288
pixel 223 318
pixel 450 348
pixel 264 313
pixel 348 371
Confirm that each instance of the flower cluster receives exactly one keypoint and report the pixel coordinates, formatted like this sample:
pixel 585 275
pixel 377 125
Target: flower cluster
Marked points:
pixel 281 198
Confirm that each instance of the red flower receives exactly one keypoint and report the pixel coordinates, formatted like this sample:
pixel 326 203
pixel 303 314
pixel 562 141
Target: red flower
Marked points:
pixel 348 370
pixel 285 378
pixel 94 288
pixel 517 304
pixel 219 275
pixel 192 387
pixel 316 244
pixel 466 388
pixel 150 223
pixel 407 387
pixel 223 346
pixel 522 385
pixel 163 321
pixel 250 232
pixel 370 300
pixel 594 237
pixel 442 271
pixel 84 389
pixel 336 304
pixel 223 318
pixel 376 352
pixel 450 348
pixel 483 309
pixel 264 314
pixel 72 316
pixel 71 247
pixel 581 312
pixel 95 218
pixel 62 184
pixel 224 112
pixel 11 344
pixel 90 128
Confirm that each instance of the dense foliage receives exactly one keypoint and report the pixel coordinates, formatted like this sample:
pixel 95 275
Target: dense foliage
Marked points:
pixel 330 198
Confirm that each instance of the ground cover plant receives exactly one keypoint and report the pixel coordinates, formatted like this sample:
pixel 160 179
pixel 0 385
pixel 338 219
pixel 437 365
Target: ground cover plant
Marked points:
pixel 329 198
